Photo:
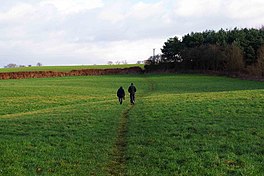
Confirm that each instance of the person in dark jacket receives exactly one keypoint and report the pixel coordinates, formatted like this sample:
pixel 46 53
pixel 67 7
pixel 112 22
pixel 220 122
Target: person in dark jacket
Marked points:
pixel 120 94
pixel 132 90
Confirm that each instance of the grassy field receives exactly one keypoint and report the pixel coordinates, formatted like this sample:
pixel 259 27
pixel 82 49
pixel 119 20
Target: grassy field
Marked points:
pixel 67 68
pixel 180 125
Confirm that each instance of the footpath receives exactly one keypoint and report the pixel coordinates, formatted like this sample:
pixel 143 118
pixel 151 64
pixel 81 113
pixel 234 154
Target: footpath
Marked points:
pixel 119 158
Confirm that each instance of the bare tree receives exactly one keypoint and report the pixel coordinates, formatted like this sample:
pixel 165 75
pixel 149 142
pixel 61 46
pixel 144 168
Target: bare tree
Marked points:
pixel 110 62
pixel 260 62
pixel 39 64
pixel 234 59
pixel 124 62
pixel 11 65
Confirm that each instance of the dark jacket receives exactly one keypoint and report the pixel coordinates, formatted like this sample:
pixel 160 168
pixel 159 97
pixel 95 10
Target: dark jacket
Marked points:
pixel 120 92
pixel 132 89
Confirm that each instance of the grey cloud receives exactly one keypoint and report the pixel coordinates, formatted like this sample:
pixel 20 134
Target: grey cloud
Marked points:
pixel 102 33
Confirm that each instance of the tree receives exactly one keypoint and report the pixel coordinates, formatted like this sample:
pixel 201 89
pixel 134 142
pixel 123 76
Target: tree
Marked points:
pixel 110 62
pixel 250 55
pixel 193 39
pixel 11 65
pixel 260 61
pixel 234 58
pixel 124 62
pixel 171 50
pixel 231 50
pixel 39 64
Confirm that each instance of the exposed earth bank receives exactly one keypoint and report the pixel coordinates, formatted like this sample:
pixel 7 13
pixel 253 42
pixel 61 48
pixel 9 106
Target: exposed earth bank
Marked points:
pixel 84 72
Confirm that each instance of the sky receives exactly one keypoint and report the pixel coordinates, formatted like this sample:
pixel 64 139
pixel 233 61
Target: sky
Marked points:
pixel 87 32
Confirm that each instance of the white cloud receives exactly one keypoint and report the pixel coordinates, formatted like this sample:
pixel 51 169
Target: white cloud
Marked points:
pixel 250 12
pixel 17 12
pixel 195 8
pixel 73 6
pixel 120 11
pixel 129 50
pixel 143 10
pixel 114 12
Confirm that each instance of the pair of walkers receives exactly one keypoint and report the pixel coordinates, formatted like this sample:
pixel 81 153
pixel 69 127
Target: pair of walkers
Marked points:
pixel 121 94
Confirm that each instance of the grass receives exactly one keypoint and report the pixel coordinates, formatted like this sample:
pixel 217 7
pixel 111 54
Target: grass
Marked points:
pixel 180 125
pixel 59 126
pixel 210 126
pixel 67 68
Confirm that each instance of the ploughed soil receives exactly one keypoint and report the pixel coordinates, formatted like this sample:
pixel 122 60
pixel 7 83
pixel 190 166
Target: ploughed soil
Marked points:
pixel 84 72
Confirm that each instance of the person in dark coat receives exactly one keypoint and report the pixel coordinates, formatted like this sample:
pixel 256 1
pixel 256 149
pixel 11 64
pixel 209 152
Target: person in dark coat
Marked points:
pixel 132 90
pixel 120 94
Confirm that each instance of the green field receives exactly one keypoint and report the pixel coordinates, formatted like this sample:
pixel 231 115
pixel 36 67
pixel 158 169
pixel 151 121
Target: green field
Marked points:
pixel 67 68
pixel 180 125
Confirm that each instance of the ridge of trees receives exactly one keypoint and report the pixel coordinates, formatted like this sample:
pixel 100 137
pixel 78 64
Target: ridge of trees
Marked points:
pixel 12 65
pixel 236 50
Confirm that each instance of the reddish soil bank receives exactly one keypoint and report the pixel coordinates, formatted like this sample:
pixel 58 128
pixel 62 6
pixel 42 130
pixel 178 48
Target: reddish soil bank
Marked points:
pixel 84 72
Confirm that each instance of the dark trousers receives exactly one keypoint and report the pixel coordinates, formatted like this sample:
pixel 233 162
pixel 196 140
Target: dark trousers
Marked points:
pixel 120 99
pixel 132 98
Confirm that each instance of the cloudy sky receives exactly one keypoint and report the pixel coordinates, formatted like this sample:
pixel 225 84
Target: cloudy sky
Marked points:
pixel 80 32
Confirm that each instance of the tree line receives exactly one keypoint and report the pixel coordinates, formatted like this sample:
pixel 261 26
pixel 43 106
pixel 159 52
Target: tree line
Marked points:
pixel 12 65
pixel 235 50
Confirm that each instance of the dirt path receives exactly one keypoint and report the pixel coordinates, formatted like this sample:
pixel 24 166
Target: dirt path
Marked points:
pixel 117 165
pixel 119 158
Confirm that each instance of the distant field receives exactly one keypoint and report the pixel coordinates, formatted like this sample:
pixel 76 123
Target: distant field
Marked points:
pixel 67 68
pixel 180 125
